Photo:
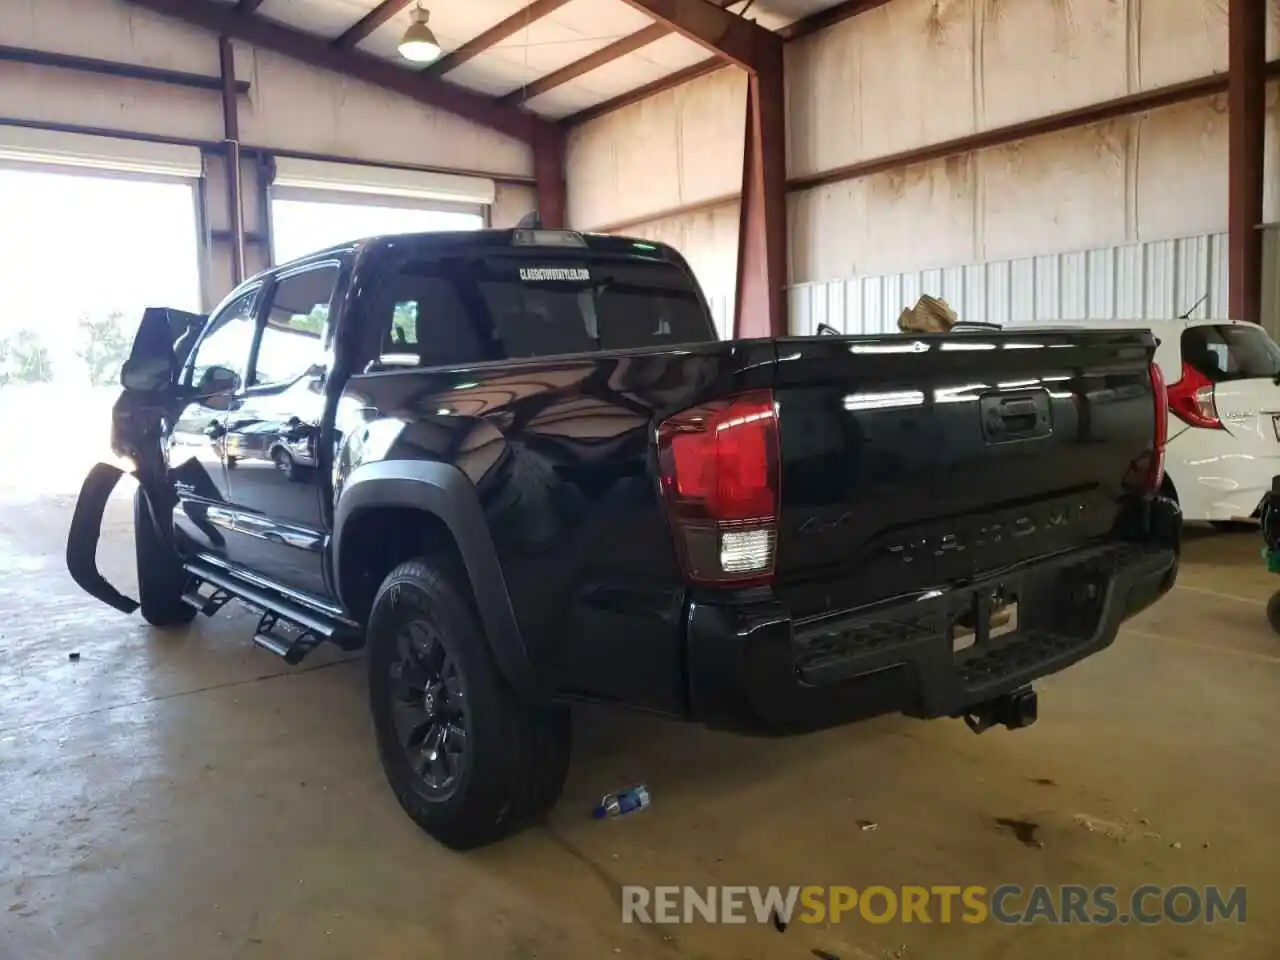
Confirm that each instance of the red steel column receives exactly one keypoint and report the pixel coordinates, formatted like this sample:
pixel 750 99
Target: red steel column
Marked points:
pixel 549 176
pixel 1246 102
pixel 760 308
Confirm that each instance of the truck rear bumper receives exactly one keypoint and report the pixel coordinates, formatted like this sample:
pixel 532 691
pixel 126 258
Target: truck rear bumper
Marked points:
pixel 754 669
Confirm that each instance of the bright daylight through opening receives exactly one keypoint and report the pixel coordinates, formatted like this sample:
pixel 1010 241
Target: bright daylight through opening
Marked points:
pixel 83 257
pixel 300 227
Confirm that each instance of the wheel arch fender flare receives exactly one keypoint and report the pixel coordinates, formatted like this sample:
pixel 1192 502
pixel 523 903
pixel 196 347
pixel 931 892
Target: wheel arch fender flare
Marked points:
pixel 445 492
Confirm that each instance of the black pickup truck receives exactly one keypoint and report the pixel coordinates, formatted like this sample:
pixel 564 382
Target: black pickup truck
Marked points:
pixel 523 470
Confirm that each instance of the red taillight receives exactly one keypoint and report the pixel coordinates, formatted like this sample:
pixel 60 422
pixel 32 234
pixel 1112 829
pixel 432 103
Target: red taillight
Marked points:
pixel 719 467
pixel 1191 399
pixel 1155 471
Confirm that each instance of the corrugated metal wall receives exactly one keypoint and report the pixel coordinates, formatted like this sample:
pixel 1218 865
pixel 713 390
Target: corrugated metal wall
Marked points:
pixel 709 241
pixel 1271 280
pixel 1141 280
pixel 722 312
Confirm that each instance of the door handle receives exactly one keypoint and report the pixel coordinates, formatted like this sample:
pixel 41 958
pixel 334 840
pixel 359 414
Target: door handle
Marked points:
pixel 1012 409
pixel 1020 417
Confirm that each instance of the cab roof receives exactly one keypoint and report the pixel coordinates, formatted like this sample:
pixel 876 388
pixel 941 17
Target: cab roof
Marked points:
pixel 597 243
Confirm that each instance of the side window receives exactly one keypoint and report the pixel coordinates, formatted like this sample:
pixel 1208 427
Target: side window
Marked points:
pixel 226 342
pixel 292 340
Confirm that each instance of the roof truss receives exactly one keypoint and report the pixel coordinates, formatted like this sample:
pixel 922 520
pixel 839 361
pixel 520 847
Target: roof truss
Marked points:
pixel 432 91
pixel 729 38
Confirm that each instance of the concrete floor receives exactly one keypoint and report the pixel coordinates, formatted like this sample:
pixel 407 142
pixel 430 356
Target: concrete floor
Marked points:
pixel 186 795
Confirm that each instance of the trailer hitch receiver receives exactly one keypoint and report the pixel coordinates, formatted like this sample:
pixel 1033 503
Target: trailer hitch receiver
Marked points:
pixel 1013 710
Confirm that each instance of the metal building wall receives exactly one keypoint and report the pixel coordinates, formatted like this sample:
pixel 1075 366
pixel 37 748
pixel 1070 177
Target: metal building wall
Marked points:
pixel 510 204
pixel 290 106
pixel 1120 219
pixel 709 241
pixel 1271 280
pixel 680 147
pixel 916 72
pixel 628 170
pixel 1140 281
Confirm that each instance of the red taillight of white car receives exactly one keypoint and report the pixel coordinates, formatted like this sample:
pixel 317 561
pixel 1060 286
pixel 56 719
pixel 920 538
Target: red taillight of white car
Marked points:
pixel 720 477
pixel 1161 394
pixel 1191 399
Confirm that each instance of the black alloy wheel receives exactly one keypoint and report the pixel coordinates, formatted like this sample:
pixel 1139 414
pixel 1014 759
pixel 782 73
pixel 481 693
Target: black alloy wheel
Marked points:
pixel 429 708
pixel 469 759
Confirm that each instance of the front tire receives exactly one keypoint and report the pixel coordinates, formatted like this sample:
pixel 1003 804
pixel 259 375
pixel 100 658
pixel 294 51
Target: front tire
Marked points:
pixel 287 465
pixel 465 757
pixel 161 579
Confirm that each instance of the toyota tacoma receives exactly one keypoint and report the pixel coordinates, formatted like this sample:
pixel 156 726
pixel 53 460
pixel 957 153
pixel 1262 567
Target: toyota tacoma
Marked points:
pixel 520 469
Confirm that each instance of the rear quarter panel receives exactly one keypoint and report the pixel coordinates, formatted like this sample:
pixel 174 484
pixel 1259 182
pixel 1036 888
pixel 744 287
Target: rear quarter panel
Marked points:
pixel 560 454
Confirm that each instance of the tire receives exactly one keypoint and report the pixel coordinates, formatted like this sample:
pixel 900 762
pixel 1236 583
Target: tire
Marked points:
pixel 1273 612
pixel 161 579
pixel 511 759
pixel 287 465
pixel 232 462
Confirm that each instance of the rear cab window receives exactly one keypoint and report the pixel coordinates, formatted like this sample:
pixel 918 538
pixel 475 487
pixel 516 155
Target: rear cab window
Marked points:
pixel 523 303
pixel 1231 351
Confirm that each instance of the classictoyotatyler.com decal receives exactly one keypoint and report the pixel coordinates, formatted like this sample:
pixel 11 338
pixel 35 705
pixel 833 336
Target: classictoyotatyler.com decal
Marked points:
pixel 554 273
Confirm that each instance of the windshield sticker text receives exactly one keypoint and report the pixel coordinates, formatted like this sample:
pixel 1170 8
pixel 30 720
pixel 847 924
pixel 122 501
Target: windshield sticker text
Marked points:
pixel 554 273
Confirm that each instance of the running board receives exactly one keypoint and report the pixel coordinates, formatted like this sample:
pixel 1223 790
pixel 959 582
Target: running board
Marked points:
pixel 288 627
pixel 207 604
pixel 289 643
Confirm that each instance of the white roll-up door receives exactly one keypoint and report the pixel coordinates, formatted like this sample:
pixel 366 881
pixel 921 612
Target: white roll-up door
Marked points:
pixel 55 149
pixel 297 177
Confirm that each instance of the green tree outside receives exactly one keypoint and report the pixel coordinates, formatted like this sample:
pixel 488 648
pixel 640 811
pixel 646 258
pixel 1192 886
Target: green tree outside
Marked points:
pixel 312 322
pixel 103 347
pixel 24 359
pixel 404 323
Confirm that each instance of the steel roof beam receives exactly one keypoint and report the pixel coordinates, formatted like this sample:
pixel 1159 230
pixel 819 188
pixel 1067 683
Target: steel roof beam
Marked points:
pixel 316 52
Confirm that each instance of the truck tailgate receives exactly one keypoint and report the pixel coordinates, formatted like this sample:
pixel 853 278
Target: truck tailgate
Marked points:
pixel 909 463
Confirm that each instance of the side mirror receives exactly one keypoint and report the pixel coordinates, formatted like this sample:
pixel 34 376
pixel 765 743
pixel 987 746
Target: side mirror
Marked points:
pixel 217 386
pixel 153 364
pixel 146 374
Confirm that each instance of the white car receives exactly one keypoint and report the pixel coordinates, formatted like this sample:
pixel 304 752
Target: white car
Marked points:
pixel 1224 413
pixel 1224 416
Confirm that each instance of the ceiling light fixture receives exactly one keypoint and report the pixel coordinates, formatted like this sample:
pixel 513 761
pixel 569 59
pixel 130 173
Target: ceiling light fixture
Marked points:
pixel 419 44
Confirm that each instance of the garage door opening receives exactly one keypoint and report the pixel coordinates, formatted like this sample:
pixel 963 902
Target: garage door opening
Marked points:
pixel 83 256
pixel 316 204
pixel 300 227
